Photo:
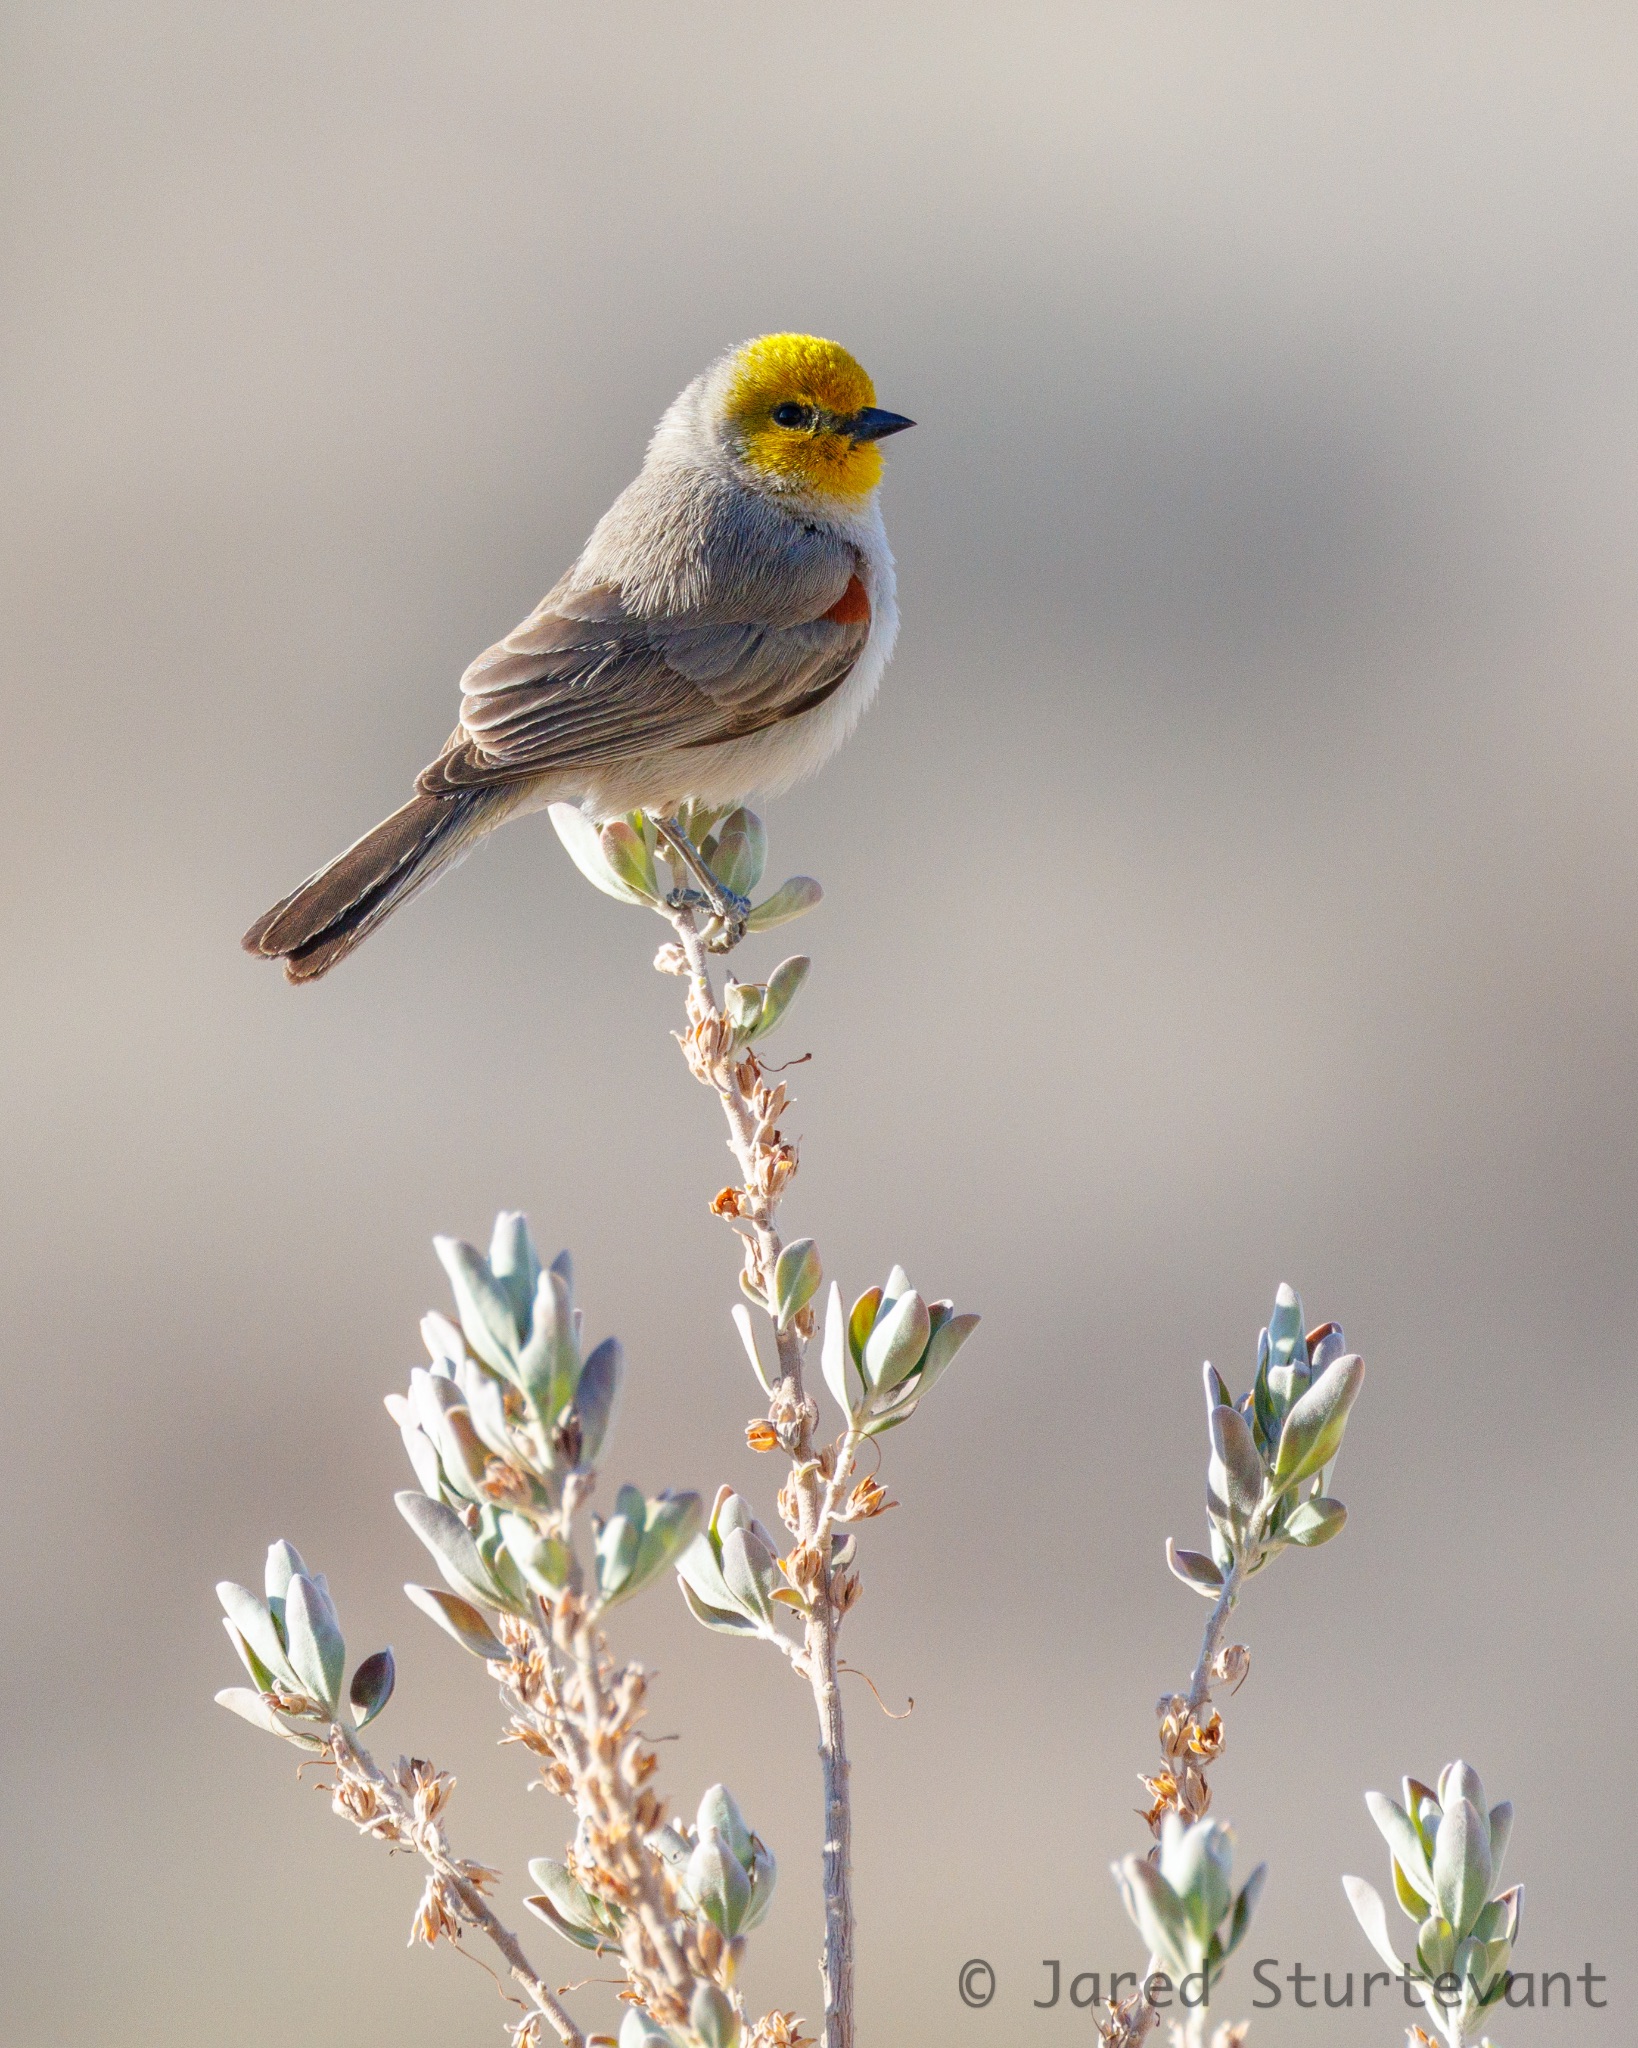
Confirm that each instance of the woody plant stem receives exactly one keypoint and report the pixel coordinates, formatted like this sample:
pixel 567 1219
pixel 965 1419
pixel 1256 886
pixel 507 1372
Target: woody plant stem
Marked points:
pixel 810 1499
pixel 1189 1743
pixel 403 1810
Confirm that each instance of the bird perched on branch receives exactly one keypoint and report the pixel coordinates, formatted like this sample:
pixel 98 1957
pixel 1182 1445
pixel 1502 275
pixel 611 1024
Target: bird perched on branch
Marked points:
pixel 720 636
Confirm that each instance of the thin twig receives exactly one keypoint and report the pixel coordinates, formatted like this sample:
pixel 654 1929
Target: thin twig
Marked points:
pixel 381 1806
pixel 1200 1683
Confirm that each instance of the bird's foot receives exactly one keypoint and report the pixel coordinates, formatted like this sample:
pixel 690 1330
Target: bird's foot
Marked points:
pixel 731 913
pixel 729 910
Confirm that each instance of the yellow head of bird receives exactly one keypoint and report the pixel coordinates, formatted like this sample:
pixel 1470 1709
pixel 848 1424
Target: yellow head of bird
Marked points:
pixel 803 415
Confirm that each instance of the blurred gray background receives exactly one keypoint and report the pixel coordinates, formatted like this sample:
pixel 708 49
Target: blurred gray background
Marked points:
pixel 1235 882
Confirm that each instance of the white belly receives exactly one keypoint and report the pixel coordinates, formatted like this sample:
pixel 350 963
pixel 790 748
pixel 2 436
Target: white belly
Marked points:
pixel 763 763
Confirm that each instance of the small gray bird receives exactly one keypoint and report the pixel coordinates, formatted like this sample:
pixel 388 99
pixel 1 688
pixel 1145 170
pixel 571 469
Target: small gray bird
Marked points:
pixel 719 637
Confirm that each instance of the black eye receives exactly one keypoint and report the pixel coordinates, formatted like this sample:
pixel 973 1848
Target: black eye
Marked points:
pixel 790 414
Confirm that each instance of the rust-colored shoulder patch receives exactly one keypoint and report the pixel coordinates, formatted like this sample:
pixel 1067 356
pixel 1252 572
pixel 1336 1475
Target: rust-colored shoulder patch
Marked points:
pixel 852 608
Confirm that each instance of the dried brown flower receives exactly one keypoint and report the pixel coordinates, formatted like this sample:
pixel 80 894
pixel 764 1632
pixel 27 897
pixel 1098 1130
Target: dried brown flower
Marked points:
pixel 868 1498
pixel 436 1915
pixel 778 2030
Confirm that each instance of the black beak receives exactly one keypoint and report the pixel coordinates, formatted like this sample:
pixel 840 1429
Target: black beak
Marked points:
pixel 875 425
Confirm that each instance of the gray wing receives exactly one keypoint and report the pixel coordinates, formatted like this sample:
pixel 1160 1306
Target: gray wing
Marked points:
pixel 584 681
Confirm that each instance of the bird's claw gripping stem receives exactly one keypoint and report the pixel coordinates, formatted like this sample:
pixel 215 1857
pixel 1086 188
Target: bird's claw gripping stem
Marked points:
pixel 728 908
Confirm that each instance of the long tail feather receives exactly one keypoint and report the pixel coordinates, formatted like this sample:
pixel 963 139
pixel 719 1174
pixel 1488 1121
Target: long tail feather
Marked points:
pixel 336 909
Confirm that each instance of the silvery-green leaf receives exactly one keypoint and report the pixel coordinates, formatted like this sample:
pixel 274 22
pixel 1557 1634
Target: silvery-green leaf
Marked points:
pixel 742 1004
pixel 548 1365
pixel 673 1521
pixel 497 1561
pixel 697 819
pixel 617 1543
pixel 726 1621
pixel 1468 1963
pixel 1404 1843
pixel 1284 1385
pixel 1422 1804
pixel 453 1550
pixel 514 1263
pixel 547 1563
pixel 1501 1833
pixel 423 1456
pixel 733 1511
pixel 747 1336
pixel 750 1574
pixel 585 848
pixel 1222 1518
pixel 487 1319
pixel 740 852
pixel 260 1676
pixel 579 1908
pixel 1285 1325
pixel 371 1687
pixel 763 1872
pixel 1372 1917
pixel 1406 1893
pixel 461 1621
pixel 796 1280
pixel 1265 1407
pixel 1244 1906
pixel 1156 1912
pixel 1313 1430
pixel 673 1848
pixel 637 2030
pixel 783 984
pixel 595 1397
pixel 946 1340
pixel 1195 1860
pixel 719 1814
pixel 790 900
pixel 862 1320
pixel 1513 1901
pixel 1459 1780
pixel 318 1656
pixel 1312 1522
pixel 884 1417
pixel 430 1393
pixel 546 1909
pixel 895 1346
pixel 1242 1467
pixel 255 1624
pixel 1435 1945
pixel 1491 1969
pixel 251 1707
pixel 283 1563
pixel 464 1457
pixel 718 1884
pixel 445 1344
pixel 698 1567
pixel 1331 1346
pixel 630 860
pixel 1196 1572
pixel 1461 1864
pixel 713 2019
pixel 486 1405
